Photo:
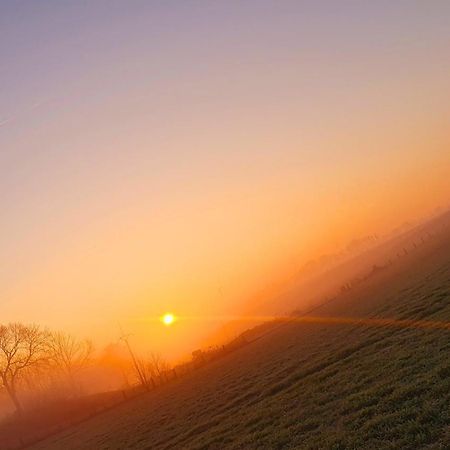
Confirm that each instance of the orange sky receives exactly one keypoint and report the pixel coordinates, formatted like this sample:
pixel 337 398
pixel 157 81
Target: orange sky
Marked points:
pixel 178 158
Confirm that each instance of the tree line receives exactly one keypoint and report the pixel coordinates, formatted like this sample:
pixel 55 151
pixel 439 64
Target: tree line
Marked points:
pixel 35 359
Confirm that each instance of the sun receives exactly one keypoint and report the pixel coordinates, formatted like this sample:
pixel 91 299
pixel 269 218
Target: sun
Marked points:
pixel 168 319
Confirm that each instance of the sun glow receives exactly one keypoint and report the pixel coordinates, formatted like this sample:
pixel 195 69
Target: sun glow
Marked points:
pixel 168 319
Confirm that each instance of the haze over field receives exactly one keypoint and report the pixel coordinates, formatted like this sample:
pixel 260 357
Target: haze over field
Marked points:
pixel 367 369
pixel 185 156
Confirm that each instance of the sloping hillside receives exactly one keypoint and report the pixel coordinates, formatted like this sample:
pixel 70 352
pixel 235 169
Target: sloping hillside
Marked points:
pixel 363 384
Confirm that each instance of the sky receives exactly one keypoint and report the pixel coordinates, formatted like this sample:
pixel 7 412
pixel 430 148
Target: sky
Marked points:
pixel 178 156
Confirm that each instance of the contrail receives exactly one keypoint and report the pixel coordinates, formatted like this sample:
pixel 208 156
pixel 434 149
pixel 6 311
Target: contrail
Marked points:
pixel 31 108
pixel 5 121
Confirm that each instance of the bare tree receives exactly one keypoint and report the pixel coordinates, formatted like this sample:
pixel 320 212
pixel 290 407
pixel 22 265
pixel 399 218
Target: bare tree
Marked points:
pixel 69 354
pixel 153 368
pixel 149 370
pixel 21 348
pixel 158 366
pixel 140 367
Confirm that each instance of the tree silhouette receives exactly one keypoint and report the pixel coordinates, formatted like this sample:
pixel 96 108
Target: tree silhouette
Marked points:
pixel 21 348
pixel 69 355
pixel 157 365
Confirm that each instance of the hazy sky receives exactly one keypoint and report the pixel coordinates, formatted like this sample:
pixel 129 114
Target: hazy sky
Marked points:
pixel 178 155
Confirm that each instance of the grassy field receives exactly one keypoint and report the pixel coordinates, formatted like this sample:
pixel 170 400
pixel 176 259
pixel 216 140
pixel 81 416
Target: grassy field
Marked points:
pixel 311 385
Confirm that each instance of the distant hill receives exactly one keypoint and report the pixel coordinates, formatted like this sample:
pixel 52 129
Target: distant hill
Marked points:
pixel 323 278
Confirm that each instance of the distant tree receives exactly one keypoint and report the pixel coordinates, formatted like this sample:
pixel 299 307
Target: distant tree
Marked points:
pixel 153 368
pixel 157 366
pixel 69 355
pixel 140 368
pixel 22 347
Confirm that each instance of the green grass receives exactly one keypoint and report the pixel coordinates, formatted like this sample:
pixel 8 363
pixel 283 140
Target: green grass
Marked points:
pixel 310 386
